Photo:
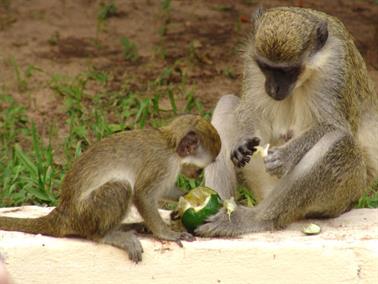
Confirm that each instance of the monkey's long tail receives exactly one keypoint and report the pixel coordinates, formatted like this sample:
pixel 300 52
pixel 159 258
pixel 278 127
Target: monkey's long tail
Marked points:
pixel 45 225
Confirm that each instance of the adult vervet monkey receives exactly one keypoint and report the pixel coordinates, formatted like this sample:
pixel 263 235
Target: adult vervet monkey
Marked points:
pixel 306 92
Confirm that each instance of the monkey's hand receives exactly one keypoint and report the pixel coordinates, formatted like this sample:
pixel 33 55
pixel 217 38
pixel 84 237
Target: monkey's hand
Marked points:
pixel 277 162
pixel 177 237
pixel 242 152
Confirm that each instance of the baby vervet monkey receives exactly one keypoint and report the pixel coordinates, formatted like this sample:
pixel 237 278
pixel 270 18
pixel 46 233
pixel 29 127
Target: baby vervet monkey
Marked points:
pixel 137 167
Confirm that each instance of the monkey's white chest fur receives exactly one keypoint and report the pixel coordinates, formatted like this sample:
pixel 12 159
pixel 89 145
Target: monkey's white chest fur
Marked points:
pixel 287 119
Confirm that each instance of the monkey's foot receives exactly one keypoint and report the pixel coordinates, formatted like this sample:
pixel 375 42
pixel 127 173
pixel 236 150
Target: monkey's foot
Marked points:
pixel 135 252
pixel 241 221
pixel 127 241
pixel 139 228
pixel 243 151
pixel 220 225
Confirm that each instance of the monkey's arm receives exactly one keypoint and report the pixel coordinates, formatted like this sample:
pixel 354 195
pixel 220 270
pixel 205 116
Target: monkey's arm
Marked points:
pixel 173 194
pixel 147 207
pixel 307 191
pixel 283 159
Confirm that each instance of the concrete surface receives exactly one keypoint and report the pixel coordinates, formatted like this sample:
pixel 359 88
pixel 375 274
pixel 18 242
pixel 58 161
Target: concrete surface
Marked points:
pixel 346 251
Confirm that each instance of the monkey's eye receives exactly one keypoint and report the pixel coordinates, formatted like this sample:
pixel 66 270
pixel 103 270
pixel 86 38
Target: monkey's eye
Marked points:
pixel 291 70
pixel 262 65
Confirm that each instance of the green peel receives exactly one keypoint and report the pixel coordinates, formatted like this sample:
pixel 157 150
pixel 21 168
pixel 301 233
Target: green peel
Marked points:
pixel 311 229
pixel 230 206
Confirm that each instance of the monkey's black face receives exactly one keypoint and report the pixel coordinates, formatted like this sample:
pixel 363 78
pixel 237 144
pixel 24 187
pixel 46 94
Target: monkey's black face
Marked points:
pixel 279 81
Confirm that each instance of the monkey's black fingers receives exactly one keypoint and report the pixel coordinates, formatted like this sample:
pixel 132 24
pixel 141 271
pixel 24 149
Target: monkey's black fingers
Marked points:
pixel 179 243
pixel 185 236
pixel 234 161
pixel 237 155
pixel 240 156
pixel 244 150
pixel 243 162
pixel 239 159
pixel 252 143
pixel 246 159
pixel 175 215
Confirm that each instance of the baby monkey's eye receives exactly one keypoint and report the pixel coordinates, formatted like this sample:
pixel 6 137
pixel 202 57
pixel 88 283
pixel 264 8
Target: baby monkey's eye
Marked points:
pixel 262 65
pixel 291 70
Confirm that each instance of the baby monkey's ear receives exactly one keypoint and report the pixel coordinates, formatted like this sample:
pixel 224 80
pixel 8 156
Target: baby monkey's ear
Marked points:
pixel 256 17
pixel 321 35
pixel 188 144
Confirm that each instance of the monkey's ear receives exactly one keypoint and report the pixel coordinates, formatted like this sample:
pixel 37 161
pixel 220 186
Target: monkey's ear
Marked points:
pixel 256 16
pixel 321 34
pixel 188 144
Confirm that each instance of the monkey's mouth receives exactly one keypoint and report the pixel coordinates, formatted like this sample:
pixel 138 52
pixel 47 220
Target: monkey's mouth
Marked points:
pixel 280 96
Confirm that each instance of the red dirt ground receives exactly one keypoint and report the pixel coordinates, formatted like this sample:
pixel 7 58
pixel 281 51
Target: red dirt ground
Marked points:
pixel 60 36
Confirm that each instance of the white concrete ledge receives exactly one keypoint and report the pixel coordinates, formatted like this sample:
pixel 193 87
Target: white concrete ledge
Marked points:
pixel 346 251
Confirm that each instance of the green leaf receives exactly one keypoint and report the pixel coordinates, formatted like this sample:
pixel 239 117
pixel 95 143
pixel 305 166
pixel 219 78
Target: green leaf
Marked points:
pixel 25 160
pixel 172 101
pixel 37 193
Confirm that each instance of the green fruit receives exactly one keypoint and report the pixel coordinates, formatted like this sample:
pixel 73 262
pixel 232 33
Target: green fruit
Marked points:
pixel 196 206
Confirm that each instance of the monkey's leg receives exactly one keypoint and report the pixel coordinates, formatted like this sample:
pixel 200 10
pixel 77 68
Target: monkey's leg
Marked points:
pixel 101 213
pixel 139 228
pixel 326 181
pixel 220 175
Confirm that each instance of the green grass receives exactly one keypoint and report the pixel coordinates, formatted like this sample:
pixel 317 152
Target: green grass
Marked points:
pixel 370 198
pixel 165 15
pixel 23 76
pixel 25 176
pixel 129 49
pixel 105 11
